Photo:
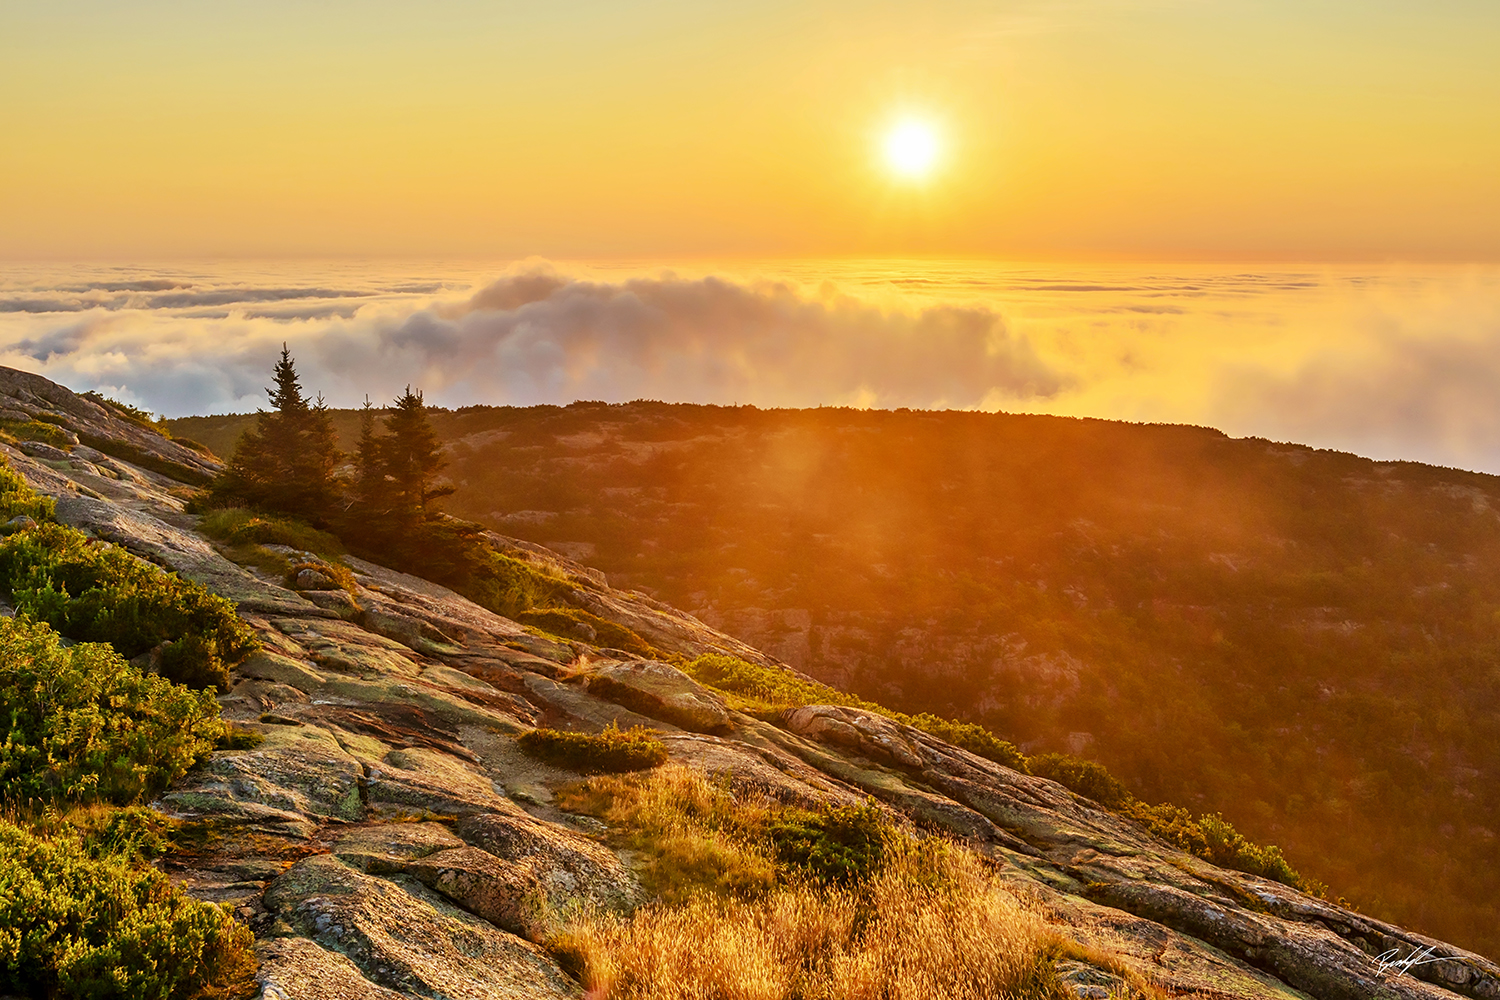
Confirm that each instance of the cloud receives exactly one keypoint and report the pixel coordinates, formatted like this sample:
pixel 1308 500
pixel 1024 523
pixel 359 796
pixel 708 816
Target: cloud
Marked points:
pixel 150 295
pixel 1414 387
pixel 538 335
pixel 1391 363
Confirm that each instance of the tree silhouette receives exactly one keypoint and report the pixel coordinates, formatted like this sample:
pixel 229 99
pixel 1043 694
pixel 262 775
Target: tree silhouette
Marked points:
pixel 412 456
pixel 286 462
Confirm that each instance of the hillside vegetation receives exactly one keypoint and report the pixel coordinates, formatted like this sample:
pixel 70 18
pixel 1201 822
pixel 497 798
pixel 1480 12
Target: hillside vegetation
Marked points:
pixel 89 737
pixel 1305 642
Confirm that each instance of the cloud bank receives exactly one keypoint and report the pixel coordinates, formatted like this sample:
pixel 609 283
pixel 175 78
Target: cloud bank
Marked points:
pixel 537 335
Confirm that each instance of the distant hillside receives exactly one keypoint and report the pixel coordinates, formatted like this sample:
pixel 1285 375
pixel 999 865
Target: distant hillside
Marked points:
pixel 1304 640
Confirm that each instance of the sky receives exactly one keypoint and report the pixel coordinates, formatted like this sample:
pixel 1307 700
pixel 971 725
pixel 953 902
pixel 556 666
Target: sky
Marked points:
pixel 1305 130
pixel 1276 217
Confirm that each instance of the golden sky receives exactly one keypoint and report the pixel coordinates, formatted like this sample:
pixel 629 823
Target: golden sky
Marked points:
pixel 1305 129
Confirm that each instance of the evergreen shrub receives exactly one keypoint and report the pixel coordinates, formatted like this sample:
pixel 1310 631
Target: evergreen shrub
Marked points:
pixel 76 922
pixel 82 724
pixel 94 592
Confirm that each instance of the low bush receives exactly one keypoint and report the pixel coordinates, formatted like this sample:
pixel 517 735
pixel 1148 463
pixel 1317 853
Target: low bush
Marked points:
pixel 197 446
pixel 35 430
pixel 78 921
pixel 770 691
pixel 1085 777
pixel 839 846
pixel 94 592
pixel 565 622
pixel 973 738
pixel 501 583
pixel 1212 838
pixel 238 526
pixel 82 724
pixel 613 750
pixel 18 499
pixel 134 414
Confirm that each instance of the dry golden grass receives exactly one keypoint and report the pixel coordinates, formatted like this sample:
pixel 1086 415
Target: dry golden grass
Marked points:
pixel 934 923
pixel 931 926
pixel 692 834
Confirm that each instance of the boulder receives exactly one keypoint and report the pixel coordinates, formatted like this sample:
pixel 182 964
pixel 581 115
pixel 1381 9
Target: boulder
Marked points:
pixel 660 691
pixel 404 937
pixel 568 869
pixel 294 968
pixel 298 776
pixel 314 579
pixel 869 735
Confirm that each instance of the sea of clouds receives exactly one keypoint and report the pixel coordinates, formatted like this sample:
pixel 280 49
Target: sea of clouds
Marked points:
pixel 1389 362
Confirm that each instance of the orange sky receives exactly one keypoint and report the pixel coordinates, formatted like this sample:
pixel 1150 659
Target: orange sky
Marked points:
pixel 1074 128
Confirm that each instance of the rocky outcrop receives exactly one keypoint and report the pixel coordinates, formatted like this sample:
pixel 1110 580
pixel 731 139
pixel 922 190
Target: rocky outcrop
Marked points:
pixel 388 838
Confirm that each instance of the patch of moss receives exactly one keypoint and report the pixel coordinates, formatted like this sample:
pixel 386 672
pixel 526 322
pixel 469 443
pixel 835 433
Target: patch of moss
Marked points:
pixel 566 622
pixel 613 750
pixel 238 526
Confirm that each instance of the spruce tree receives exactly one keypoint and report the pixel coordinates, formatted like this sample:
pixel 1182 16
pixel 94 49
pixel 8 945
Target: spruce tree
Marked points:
pixel 286 462
pixel 411 456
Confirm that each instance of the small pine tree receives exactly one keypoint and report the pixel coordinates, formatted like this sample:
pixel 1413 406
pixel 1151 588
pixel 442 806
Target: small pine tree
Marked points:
pixel 412 456
pixel 286 462
pixel 371 490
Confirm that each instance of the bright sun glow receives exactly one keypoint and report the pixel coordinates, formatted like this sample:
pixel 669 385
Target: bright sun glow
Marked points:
pixel 911 149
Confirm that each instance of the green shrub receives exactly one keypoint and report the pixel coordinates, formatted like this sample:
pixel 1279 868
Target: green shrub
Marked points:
pixel 17 498
pixel 565 621
pixel 501 583
pixel 775 689
pixel 75 922
pixel 613 750
pixel 197 446
pixel 35 430
pixel 975 739
pixel 238 526
pixel 83 724
pixel 136 415
pixel 844 845
pixel 1085 777
pixel 93 592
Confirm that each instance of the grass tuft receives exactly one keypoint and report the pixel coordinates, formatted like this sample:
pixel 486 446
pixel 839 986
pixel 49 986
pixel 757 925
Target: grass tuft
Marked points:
pixel 613 750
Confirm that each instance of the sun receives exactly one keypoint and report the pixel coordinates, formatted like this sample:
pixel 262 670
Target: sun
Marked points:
pixel 912 149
